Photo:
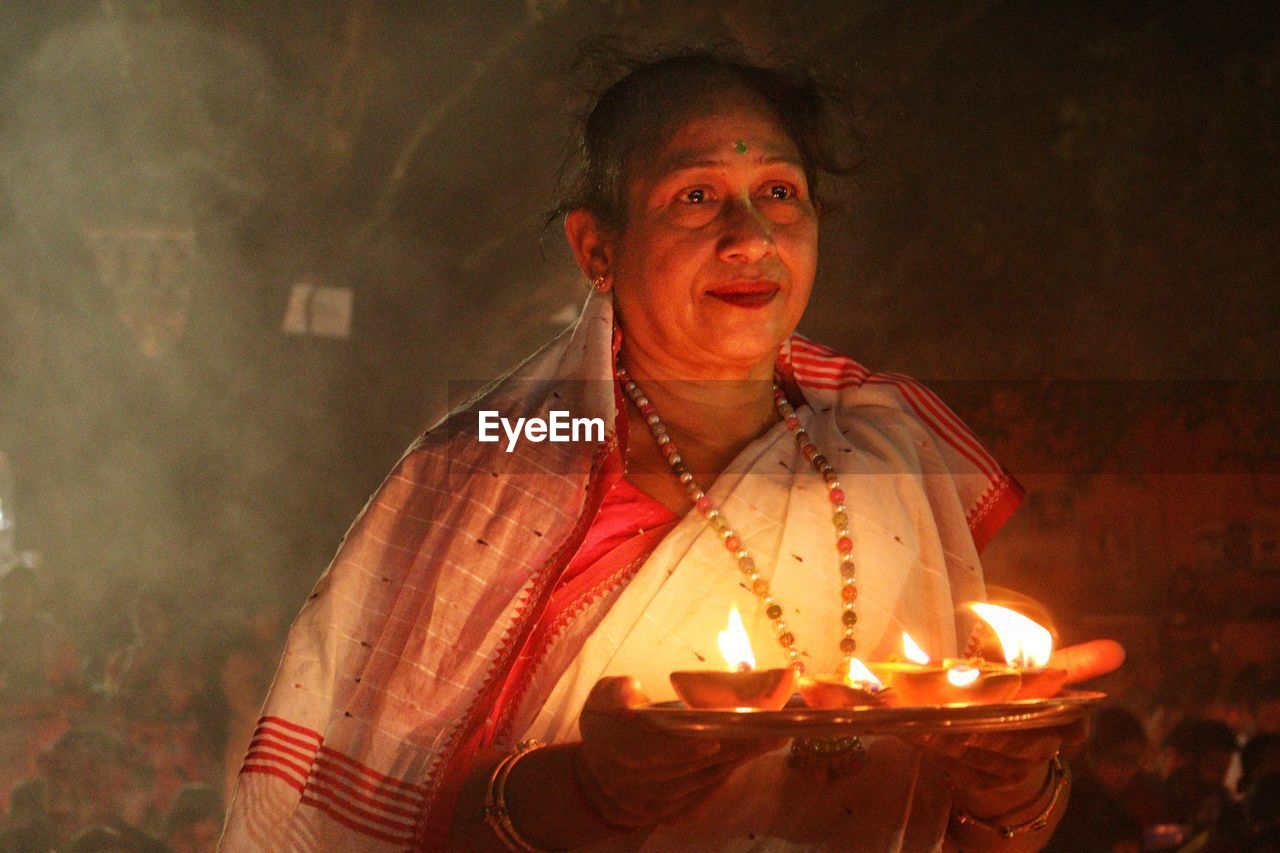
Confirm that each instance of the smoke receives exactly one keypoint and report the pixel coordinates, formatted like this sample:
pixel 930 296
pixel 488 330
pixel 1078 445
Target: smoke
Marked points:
pixel 135 153
pixel 169 172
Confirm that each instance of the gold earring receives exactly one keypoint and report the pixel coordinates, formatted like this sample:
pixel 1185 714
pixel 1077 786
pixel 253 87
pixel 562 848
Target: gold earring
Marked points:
pixel 600 283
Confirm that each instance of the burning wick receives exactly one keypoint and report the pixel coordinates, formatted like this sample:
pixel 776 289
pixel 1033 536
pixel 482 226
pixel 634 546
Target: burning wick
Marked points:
pixel 962 676
pixel 856 687
pixel 735 645
pixel 862 678
pixel 913 652
pixel 740 685
pixel 1026 644
pixel 917 680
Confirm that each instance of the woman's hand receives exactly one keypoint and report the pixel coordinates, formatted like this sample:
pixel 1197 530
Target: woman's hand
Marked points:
pixel 990 769
pixel 1001 775
pixel 1084 661
pixel 1013 761
pixel 634 775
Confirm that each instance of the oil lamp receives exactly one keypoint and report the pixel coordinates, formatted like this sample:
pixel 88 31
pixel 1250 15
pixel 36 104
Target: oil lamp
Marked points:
pixel 1026 646
pixel 741 685
pixel 858 686
pixel 919 681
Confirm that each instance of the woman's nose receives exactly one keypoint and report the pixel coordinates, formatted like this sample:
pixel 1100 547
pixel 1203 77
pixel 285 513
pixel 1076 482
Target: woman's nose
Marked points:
pixel 747 234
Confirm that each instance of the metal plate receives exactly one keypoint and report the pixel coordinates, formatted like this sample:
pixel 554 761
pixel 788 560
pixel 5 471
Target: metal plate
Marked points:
pixel 798 720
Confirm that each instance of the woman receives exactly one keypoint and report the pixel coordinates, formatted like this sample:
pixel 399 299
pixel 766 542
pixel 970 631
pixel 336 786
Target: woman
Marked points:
pixel 485 597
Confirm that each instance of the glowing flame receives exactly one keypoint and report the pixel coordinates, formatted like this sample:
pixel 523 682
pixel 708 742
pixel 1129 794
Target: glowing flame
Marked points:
pixel 859 676
pixel 1025 643
pixel 912 652
pixel 734 644
pixel 962 676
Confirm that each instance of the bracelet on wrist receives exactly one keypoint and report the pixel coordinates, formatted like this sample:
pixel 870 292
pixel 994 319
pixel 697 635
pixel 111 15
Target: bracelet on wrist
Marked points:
pixel 1055 782
pixel 495 799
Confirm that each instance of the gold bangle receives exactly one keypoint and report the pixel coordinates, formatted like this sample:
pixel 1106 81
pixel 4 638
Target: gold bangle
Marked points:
pixel 495 799
pixel 1056 781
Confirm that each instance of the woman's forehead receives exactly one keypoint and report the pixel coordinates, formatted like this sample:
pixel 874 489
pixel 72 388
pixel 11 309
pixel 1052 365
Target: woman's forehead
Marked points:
pixel 724 133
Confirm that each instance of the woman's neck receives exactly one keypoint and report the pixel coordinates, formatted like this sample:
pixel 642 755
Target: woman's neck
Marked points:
pixel 710 418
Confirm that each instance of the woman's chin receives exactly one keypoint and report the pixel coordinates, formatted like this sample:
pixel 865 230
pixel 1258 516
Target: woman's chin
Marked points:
pixel 748 345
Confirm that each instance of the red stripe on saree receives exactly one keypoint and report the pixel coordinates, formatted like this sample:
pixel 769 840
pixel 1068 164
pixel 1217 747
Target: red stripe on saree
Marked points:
pixel 629 525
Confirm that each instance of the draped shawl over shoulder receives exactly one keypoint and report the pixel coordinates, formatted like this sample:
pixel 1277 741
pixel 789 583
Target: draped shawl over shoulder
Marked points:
pixel 394 670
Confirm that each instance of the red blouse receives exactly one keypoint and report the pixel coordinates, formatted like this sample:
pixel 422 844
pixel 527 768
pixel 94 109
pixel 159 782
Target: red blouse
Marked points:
pixel 629 525
pixel 624 513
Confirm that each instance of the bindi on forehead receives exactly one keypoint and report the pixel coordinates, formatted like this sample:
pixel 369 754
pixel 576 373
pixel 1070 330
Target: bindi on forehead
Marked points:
pixel 713 146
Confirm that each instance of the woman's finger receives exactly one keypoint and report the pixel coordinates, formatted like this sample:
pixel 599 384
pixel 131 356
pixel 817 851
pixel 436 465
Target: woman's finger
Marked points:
pixel 990 769
pixel 670 807
pixel 632 772
pixel 615 692
pixel 665 791
pixel 618 777
pixel 609 809
pixel 610 728
pixel 1084 661
pixel 639 750
pixel 1036 745
pixel 1027 745
pixel 689 764
pixel 636 798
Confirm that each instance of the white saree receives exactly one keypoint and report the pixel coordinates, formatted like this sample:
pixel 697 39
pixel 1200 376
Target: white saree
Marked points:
pixel 403 662
pixel 670 612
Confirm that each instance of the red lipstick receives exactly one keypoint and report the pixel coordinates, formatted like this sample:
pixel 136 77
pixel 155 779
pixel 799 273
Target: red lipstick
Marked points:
pixel 747 293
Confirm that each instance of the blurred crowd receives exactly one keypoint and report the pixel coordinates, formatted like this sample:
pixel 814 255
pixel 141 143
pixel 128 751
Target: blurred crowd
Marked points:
pixel 1186 757
pixel 132 744
pixel 130 741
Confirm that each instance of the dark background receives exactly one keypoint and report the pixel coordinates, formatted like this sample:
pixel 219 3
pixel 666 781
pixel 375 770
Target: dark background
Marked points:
pixel 1066 222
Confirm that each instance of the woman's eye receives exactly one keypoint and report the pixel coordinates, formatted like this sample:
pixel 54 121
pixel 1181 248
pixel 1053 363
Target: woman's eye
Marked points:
pixel 694 196
pixel 781 192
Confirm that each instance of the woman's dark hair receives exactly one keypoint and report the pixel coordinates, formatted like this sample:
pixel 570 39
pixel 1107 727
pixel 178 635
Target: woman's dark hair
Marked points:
pixel 631 116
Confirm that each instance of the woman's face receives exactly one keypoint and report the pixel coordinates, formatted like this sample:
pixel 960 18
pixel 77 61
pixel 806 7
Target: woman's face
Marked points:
pixel 715 263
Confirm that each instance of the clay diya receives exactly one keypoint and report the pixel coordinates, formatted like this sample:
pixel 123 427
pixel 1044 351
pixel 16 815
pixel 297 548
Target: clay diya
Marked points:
pixel 739 686
pixel 858 687
pixel 1041 682
pixel 951 683
pixel 919 681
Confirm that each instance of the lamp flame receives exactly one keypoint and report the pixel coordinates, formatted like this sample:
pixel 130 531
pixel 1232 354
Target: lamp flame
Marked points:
pixel 1025 643
pixel 734 644
pixel 962 676
pixel 859 676
pixel 912 652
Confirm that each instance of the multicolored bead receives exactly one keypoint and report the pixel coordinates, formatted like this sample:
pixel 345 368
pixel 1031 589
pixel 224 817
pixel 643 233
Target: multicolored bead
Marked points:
pixel 732 542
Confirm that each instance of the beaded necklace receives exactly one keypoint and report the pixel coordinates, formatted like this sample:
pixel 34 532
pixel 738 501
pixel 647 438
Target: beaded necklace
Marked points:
pixel 733 543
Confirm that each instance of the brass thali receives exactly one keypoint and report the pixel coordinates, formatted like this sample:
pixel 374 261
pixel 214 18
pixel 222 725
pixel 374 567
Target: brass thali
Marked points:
pixel 799 720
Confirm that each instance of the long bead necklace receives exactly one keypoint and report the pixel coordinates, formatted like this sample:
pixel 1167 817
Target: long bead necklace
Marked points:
pixel 733 542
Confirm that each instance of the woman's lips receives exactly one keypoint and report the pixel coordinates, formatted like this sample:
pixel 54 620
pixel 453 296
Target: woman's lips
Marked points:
pixel 747 294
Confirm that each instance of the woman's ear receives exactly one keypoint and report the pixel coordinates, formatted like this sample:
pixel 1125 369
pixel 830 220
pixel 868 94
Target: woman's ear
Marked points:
pixel 591 242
